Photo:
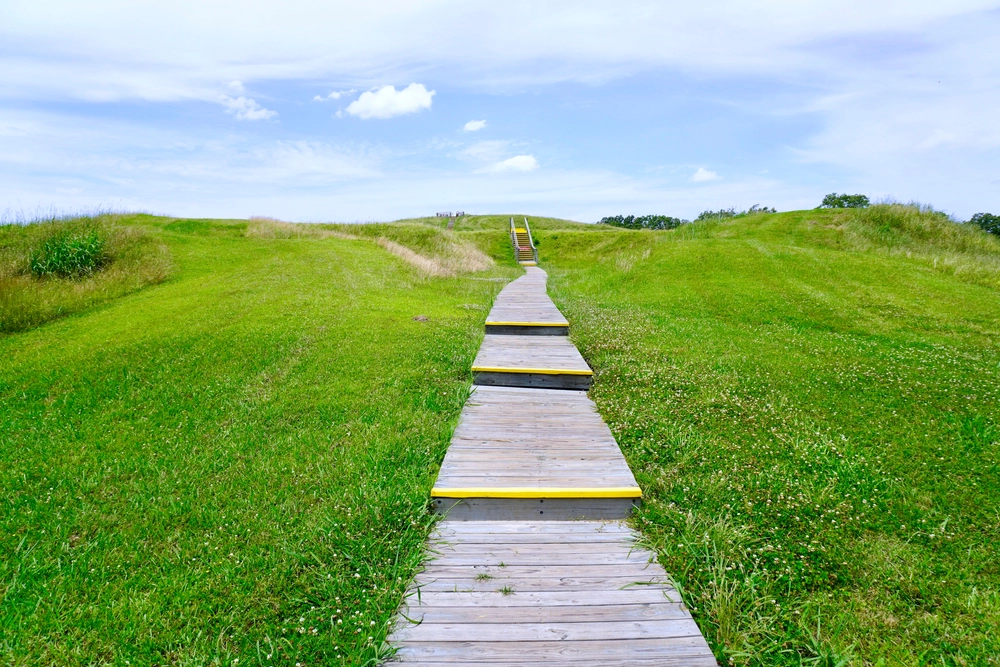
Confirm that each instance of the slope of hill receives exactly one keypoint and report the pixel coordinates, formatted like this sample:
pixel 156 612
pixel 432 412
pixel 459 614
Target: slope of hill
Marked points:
pixel 235 463
pixel 810 401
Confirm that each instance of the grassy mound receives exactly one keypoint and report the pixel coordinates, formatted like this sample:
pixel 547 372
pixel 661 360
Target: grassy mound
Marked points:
pixel 810 402
pixel 913 231
pixel 236 464
pixel 57 267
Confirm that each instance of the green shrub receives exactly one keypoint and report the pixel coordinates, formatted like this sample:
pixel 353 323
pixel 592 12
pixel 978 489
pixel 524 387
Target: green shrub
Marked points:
pixel 54 267
pixel 987 222
pixel 643 221
pixel 69 255
pixel 833 200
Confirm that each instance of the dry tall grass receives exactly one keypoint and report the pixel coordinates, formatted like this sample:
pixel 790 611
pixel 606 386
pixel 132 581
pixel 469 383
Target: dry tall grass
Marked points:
pixel 259 227
pixel 920 232
pixel 432 251
pixel 134 259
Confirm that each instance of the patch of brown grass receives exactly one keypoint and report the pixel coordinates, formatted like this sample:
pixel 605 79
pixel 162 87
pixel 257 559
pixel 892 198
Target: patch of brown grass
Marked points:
pixel 260 227
pixel 424 265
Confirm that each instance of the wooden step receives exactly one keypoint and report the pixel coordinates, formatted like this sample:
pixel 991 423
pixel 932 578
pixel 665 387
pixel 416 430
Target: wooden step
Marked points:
pixel 551 362
pixel 538 454
pixel 524 308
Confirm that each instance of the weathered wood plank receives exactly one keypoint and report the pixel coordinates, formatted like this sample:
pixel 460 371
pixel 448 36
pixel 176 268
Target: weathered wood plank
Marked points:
pixel 581 600
pixel 525 509
pixel 582 612
pixel 687 648
pixel 550 631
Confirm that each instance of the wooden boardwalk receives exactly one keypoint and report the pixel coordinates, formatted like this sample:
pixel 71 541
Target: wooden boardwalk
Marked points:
pixel 524 308
pixel 532 565
pixel 545 593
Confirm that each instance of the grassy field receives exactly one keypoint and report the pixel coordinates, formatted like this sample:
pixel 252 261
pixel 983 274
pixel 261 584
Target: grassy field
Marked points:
pixel 810 402
pixel 233 464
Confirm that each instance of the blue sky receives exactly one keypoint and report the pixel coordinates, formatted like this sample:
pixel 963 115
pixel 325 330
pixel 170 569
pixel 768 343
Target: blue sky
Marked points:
pixel 591 108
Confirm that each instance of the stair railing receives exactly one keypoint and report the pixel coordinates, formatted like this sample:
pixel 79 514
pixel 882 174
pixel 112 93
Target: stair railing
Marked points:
pixel 513 240
pixel 534 250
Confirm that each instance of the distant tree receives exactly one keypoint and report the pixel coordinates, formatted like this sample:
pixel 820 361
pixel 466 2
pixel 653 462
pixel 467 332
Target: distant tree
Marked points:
pixel 643 221
pixel 833 200
pixel 987 222
pixel 727 213
pixel 721 214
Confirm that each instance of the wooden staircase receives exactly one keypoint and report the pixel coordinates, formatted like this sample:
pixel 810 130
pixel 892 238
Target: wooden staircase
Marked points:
pixel 524 247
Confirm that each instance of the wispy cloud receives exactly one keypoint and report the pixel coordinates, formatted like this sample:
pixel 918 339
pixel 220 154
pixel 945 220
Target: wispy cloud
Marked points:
pixel 517 163
pixel 387 102
pixel 702 175
pixel 474 125
pixel 334 95
pixel 245 108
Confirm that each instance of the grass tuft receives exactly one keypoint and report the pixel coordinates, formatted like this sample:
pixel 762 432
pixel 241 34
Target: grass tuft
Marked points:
pixel 56 267
pixel 920 232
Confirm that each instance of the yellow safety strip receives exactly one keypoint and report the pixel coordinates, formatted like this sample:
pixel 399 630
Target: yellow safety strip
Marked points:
pixel 520 229
pixel 527 324
pixel 531 492
pixel 541 371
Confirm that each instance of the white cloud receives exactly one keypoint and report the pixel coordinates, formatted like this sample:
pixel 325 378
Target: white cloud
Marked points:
pixel 387 102
pixel 703 175
pixel 245 108
pixel 485 152
pixel 517 163
pixel 66 49
pixel 334 95
pixel 474 125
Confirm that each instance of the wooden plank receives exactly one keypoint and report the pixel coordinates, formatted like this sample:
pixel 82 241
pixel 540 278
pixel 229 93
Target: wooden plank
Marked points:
pixel 499 561
pixel 688 648
pixel 640 570
pixel 575 599
pixel 576 613
pixel 550 631
pixel 526 509
pixel 590 584
pixel 505 528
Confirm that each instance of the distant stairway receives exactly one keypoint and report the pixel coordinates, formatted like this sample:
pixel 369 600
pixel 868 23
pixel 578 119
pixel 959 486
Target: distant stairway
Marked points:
pixel 524 247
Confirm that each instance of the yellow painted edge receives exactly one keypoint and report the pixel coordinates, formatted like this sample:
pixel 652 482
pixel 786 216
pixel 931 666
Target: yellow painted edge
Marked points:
pixel 527 324
pixel 520 229
pixel 540 371
pixel 531 492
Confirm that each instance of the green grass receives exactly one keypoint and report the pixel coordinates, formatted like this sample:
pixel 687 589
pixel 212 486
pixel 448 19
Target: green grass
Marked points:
pixel 56 267
pixel 810 403
pixel 235 463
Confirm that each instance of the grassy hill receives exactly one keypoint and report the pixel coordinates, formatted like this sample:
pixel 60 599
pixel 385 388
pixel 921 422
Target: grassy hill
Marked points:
pixel 235 463
pixel 810 402
pixel 232 461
